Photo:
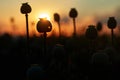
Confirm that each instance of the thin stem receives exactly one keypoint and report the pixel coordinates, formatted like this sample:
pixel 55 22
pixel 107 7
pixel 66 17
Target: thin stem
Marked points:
pixel 74 25
pixel 45 36
pixel 112 35
pixel 59 29
pixel 27 32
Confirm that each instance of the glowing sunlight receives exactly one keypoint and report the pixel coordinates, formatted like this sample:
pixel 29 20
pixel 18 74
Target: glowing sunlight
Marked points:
pixel 44 15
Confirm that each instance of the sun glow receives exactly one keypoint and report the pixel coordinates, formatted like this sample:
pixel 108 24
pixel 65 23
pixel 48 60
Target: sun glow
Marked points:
pixel 44 15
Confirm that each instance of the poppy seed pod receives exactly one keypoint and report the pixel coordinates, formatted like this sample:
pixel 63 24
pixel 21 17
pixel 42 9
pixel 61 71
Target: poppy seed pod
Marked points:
pixel 99 26
pixel 111 23
pixel 44 25
pixel 56 17
pixel 100 58
pixel 35 72
pixel 91 32
pixel 25 8
pixel 73 13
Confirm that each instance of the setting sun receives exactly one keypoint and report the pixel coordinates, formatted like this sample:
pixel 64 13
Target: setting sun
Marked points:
pixel 44 15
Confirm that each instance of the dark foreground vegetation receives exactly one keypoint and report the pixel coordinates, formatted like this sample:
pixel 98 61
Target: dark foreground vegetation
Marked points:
pixel 67 58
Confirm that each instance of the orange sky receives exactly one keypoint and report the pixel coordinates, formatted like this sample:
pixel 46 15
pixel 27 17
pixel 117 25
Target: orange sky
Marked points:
pixel 89 12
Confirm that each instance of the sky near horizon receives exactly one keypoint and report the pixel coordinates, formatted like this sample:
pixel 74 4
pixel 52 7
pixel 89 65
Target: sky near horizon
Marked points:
pixel 85 8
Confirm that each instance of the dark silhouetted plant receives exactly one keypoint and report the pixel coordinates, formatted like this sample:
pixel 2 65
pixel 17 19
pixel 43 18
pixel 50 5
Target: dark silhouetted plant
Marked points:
pixel 112 23
pixel 99 26
pixel 73 14
pixel 57 19
pixel 44 26
pixel 25 9
pixel 91 32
